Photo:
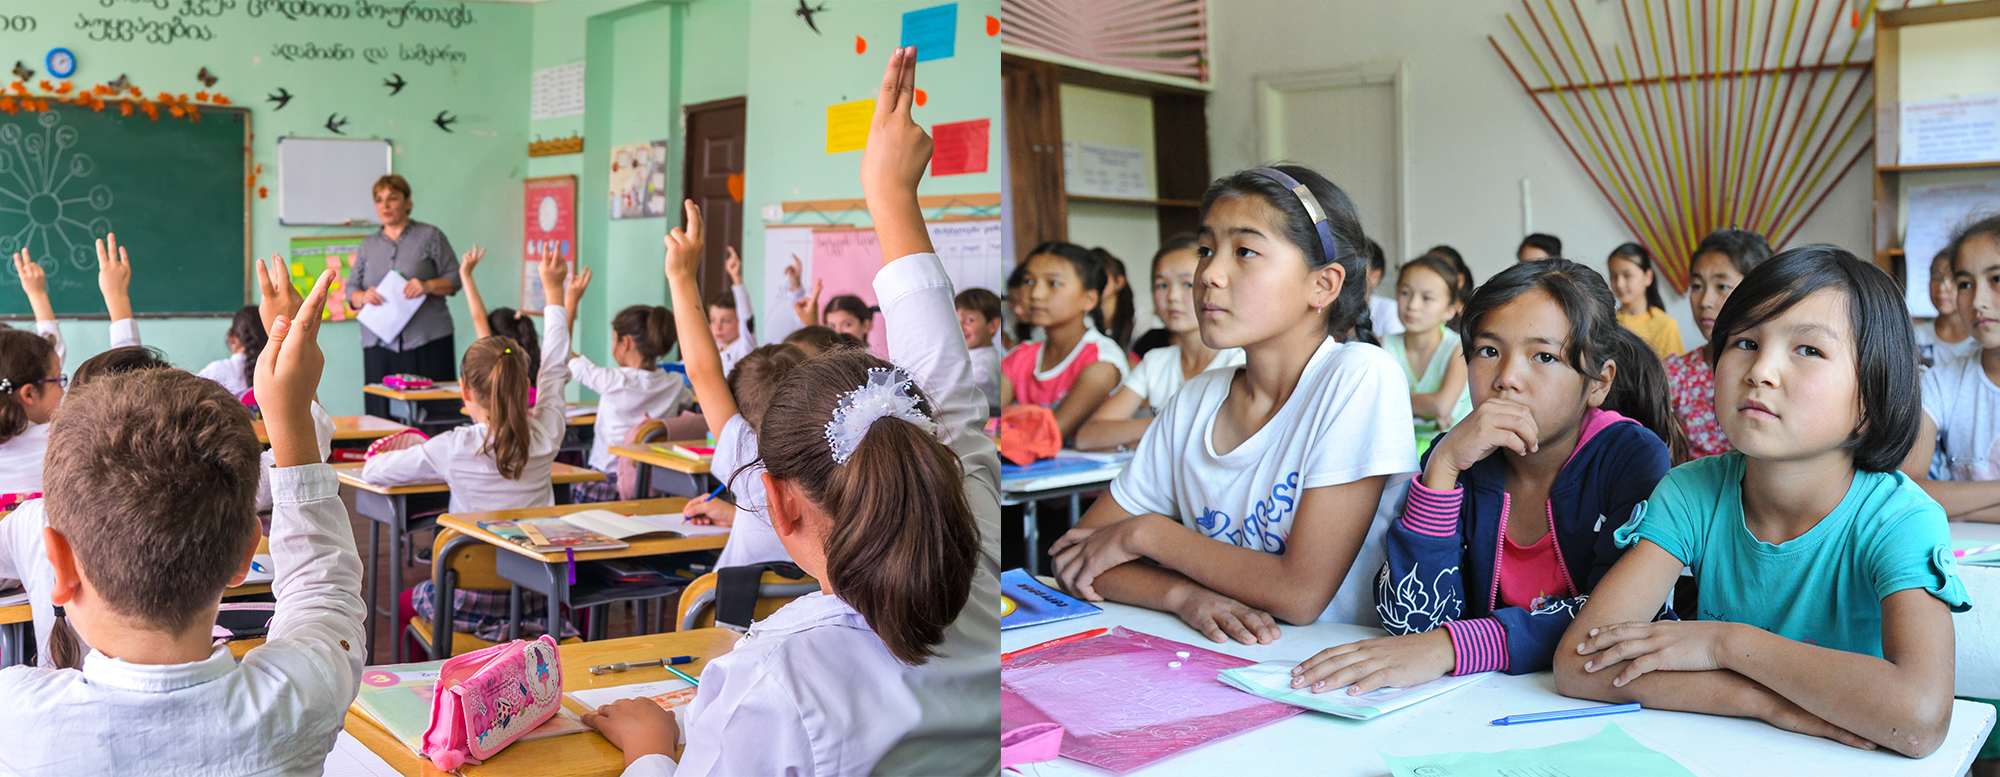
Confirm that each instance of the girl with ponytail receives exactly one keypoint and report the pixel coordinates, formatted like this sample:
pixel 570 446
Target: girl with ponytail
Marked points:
pixel 630 390
pixel 1510 525
pixel 502 460
pixel 1254 496
pixel 882 488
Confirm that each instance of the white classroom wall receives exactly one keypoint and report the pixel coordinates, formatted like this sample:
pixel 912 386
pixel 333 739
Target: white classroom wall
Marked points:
pixel 1473 134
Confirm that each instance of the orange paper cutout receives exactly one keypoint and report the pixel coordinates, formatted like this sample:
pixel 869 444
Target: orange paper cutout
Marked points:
pixel 923 97
pixel 860 45
pixel 992 26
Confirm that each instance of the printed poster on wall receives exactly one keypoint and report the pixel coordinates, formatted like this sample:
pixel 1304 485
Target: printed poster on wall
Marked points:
pixel 551 221
pixel 311 256
pixel 845 260
pixel 1940 132
pixel 639 180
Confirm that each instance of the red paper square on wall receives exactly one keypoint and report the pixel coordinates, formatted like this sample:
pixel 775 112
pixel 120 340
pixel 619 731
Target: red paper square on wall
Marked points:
pixel 959 147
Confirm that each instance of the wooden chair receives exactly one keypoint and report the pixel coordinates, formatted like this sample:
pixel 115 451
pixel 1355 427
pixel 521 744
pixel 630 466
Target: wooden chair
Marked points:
pixel 697 610
pixel 463 562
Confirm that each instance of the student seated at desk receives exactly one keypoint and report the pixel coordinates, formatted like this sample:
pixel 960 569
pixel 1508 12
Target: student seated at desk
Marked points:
pixel 31 378
pixel 503 459
pixel 889 496
pixel 1510 526
pixel 150 481
pixel 23 555
pixel 629 392
pixel 1826 576
pixel 246 340
pixel 1257 488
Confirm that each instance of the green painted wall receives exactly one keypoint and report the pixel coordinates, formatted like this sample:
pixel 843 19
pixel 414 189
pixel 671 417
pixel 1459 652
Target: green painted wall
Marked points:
pixel 648 59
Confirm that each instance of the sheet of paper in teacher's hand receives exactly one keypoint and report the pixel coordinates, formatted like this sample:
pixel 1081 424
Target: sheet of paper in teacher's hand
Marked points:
pixel 387 320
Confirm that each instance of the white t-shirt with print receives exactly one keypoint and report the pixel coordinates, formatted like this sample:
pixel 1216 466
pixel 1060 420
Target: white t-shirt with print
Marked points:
pixel 1965 405
pixel 1348 419
pixel 1157 377
pixel 1935 351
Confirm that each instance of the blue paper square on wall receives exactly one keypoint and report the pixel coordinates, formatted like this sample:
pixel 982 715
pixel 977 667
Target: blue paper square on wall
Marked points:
pixel 932 31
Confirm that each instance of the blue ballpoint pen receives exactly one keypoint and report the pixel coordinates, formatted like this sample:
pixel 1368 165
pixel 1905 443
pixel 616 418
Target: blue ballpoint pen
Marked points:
pixel 1585 712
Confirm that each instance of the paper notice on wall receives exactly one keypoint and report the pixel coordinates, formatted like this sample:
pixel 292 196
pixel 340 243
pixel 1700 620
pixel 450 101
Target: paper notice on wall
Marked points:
pixel 783 247
pixel 847 125
pixel 846 261
pixel 1937 132
pixel 557 91
pixel 1105 170
pixel 971 253
pixel 1935 212
pixel 932 30
pixel 960 147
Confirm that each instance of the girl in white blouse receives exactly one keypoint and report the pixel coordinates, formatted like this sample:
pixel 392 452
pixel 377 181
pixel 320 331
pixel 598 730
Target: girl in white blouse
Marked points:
pixel 32 382
pixel 882 487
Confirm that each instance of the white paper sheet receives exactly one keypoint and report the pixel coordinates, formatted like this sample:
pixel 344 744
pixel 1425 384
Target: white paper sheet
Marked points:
pixel 621 527
pixel 672 695
pixel 1936 132
pixel 350 758
pixel 388 319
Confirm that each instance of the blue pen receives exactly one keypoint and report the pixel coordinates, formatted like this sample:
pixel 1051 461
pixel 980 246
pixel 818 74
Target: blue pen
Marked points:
pixel 718 491
pixel 1586 712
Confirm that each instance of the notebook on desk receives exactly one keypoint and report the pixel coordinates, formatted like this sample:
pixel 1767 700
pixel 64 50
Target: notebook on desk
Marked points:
pixel 1025 601
pixel 548 534
pixel 397 697
pixel 625 527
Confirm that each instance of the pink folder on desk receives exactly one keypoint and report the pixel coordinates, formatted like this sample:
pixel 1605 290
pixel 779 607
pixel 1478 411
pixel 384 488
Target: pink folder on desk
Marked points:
pixel 1128 699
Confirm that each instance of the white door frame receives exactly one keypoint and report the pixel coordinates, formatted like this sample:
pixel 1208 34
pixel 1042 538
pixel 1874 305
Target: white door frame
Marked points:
pixel 1272 88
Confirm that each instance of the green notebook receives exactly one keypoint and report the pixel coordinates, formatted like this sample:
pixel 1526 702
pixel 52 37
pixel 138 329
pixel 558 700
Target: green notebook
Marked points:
pixel 397 697
pixel 1610 751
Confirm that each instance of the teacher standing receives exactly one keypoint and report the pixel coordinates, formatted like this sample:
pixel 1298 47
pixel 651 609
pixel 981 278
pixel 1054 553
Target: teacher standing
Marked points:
pixel 421 254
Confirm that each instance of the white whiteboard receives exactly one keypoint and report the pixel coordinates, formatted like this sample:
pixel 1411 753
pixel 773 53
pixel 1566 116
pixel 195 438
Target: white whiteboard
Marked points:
pixel 329 181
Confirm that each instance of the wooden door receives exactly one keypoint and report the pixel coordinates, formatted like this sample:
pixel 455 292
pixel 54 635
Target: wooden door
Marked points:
pixel 712 176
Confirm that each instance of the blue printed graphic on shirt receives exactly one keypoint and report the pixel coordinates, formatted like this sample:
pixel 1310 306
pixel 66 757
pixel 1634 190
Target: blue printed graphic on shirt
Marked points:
pixel 1258 530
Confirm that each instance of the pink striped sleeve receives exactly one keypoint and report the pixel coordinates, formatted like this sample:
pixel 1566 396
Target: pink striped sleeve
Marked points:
pixel 1479 645
pixel 1430 512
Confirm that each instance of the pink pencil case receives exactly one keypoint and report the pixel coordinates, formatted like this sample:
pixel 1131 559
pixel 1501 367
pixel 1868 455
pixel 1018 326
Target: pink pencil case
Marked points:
pixel 407 382
pixel 488 698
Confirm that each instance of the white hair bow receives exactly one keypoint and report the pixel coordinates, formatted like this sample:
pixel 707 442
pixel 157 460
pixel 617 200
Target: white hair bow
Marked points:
pixel 886 394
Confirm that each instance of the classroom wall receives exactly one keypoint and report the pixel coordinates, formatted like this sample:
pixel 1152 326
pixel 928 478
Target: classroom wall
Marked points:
pixel 1129 232
pixel 794 75
pixel 472 66
pixel 1473 135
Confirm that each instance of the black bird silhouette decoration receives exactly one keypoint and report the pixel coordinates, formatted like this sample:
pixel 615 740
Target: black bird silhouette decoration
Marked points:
pixel 444 122
pixel 282 98
pixel 21 71
pixel 334 123
pixel 806 12
pixel 395 83
pixel 206 78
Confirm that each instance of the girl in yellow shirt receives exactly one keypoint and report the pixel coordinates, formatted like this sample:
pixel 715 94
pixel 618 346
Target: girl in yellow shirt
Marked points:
pixel 1639 305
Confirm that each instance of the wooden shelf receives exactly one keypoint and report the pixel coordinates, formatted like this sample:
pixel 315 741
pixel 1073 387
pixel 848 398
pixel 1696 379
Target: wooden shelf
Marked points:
pixel 1126 201
pixel 1946 166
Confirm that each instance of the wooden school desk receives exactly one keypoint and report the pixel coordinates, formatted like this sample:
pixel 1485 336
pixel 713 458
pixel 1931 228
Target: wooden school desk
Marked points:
pixel 350 428
pixel 408 408
pixel 682 476
pixel 547 573
pixel 389 505
pixel 1321 744
pixel 587 754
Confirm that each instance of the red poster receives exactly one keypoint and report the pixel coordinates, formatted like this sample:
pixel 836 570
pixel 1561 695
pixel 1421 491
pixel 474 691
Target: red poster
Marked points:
pixel 959 147
pixel 551 220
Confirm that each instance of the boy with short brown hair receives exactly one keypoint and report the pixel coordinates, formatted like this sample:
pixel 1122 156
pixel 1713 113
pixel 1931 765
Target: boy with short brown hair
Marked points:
pixel 151 483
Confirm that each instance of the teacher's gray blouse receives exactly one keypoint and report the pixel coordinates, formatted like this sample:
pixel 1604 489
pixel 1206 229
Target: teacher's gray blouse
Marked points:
pixel 422 253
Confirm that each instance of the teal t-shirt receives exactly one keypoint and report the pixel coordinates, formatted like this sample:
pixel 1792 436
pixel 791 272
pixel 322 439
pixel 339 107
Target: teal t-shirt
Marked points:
pixel 1824 587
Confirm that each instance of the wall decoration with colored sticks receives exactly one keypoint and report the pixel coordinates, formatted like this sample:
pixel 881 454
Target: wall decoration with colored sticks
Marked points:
pixel 1697 118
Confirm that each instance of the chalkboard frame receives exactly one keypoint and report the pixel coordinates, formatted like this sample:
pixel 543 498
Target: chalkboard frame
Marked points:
pixel 248 281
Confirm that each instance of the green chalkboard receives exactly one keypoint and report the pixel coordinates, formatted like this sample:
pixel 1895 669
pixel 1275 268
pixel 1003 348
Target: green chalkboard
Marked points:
pixel 175 192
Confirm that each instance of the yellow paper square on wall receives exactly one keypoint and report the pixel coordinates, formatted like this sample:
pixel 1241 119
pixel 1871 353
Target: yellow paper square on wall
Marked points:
pixel 847 125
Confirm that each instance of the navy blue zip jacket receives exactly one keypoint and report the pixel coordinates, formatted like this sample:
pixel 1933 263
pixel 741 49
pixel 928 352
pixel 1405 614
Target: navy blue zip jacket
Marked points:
pixel 1444 551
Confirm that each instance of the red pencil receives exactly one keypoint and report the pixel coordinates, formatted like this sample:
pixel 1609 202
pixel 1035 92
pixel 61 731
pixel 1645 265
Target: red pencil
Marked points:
pixel 1077 637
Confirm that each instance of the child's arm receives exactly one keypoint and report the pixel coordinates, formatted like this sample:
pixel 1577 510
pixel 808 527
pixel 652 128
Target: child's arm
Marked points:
pixel 114 280
pixel 555 341
pixel 573 290
pixel 898 152
pixel 1113 425
pixel 1144 584
pixel 1634 590
pixel 698 351
pixel 318 587
pixel 473 301
pixel 1096 382
pixel 36 285
pixel 807 307
pixel 734 265
pixel 1962 500
pixel 1439 404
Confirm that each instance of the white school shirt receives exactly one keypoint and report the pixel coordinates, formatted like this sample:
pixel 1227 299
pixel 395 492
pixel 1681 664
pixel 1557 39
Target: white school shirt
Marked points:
pixel 751 538
pixel 21 456
pixel 1384 318
pixel 455 458
pixel 1157 377
pixel 986 373
pixel 745 340
pixel 627 396
pixel 228 372
pixel 811 691
pixel 1965 405
pixel 274 713
pixel 1348 419
pixel 23 558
